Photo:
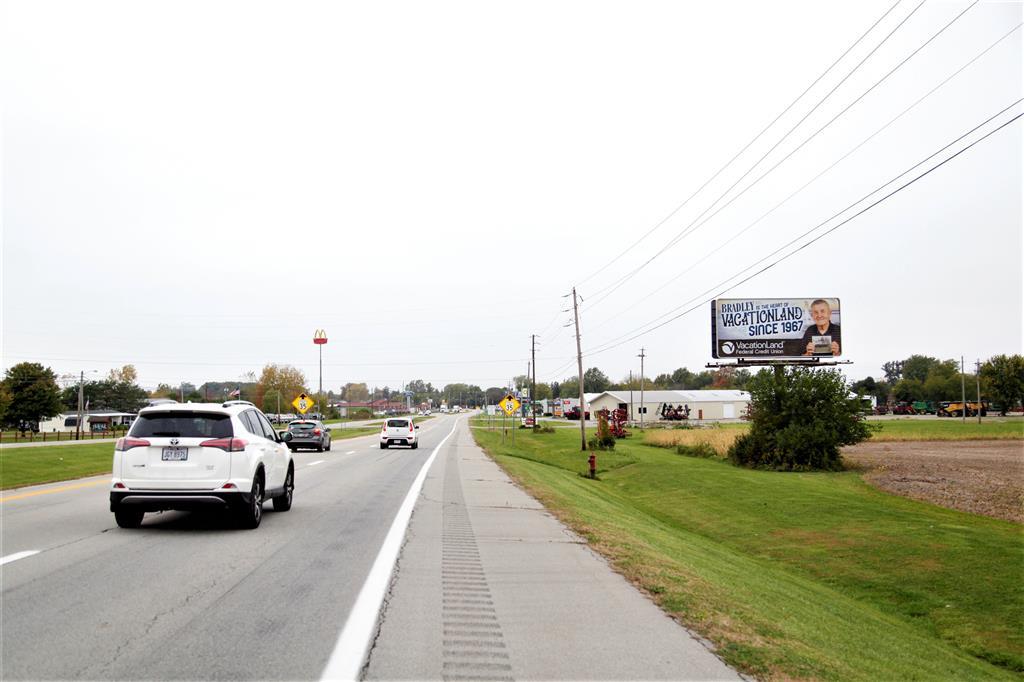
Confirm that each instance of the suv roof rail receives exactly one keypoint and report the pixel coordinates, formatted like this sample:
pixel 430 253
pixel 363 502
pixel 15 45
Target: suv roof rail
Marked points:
pixel 226 403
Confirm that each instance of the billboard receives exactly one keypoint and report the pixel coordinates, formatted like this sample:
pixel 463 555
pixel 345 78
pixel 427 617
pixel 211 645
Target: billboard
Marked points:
pixel 775 328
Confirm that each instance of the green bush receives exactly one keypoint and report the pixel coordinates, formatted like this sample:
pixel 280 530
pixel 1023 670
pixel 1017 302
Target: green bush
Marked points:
pixel 800 417
pixel 701 449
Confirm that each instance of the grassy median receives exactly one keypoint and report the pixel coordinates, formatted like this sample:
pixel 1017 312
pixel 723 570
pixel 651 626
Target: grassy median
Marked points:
pixel 48 463
pixel 792 575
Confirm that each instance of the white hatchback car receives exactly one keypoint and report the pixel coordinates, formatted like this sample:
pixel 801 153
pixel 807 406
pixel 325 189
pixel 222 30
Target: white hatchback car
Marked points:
pixel 398 431
pixel 198 456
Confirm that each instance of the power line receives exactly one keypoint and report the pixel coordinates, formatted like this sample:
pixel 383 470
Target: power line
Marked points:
pixel 615 344
pixel 745 147
pixel 823 172
pixel 694 225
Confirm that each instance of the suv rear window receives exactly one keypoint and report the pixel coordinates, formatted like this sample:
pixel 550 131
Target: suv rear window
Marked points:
pixel 301 426
pixel 182 425
pixel 398 423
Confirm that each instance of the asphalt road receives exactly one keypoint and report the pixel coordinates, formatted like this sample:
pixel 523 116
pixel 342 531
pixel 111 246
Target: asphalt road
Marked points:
pixel 189 596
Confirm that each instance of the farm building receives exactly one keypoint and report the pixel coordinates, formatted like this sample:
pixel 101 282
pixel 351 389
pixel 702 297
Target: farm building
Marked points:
pixel 713 404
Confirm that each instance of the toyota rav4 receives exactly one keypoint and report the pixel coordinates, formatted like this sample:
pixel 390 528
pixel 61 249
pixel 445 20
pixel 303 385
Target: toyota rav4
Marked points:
pixel 201 456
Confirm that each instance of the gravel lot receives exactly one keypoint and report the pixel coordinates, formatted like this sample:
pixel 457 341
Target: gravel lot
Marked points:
pixel 979 476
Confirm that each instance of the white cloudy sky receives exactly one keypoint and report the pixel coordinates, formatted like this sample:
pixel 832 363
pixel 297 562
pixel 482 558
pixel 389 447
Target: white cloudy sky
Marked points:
pixel 195 187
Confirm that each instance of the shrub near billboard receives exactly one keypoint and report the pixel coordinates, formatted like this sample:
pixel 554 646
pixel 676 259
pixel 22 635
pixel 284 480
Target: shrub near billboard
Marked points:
pixel 775 328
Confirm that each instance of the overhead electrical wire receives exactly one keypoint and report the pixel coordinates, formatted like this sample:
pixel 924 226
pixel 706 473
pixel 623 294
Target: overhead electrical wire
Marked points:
pixel 823 172
pixel 745 147
pixel 694 225
pixel 617 342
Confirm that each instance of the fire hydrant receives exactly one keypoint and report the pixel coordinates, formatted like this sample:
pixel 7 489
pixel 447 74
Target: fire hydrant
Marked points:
pixel 592 460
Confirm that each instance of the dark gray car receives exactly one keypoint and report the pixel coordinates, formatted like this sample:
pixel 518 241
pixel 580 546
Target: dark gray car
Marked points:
pixel 309 433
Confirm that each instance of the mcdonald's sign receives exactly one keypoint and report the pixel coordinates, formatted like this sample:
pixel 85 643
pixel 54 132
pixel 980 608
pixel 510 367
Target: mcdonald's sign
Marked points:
pixel 319 337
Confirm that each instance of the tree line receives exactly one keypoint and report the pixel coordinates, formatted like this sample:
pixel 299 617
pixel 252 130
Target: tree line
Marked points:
pixel 927 379
pixel 30 392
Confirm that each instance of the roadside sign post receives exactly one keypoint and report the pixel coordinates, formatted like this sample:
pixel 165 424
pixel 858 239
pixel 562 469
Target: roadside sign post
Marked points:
pixel 510 406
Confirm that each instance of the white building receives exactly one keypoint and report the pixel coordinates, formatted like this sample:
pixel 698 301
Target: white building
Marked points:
pixel 704 405
pixel 94 420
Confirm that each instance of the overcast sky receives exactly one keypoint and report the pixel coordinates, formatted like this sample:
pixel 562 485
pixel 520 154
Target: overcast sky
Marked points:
pixel 195 187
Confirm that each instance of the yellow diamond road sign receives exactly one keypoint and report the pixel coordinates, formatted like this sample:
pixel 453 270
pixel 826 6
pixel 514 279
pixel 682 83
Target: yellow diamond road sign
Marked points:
pixel 510 404
pixel 303 403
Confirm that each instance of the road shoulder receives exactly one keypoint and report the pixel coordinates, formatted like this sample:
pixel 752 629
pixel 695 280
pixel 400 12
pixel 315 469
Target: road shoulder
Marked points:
pixel 490 585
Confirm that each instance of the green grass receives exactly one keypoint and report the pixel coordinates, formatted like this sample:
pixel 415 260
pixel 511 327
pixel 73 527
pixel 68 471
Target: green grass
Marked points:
pixel 948 429
pixel 793 575
pixel 354 432
pixel 45 464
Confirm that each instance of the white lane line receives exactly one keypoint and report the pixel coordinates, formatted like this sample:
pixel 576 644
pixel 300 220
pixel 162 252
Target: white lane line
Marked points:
pixel 353 643
pixel 351 452
pixel 313 464
pixel 17 555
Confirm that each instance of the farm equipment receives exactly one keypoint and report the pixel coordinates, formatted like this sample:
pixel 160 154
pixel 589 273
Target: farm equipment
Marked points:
pixel 670 413
pixel 956 409
pixel 616 420
pixel 574 414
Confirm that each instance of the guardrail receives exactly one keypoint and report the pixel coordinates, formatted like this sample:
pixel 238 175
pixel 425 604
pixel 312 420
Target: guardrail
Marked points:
pixel 54 436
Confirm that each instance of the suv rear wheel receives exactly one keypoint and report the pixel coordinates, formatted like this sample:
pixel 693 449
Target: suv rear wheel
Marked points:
pixel 284 502
pixel 128 518
pixel 251 514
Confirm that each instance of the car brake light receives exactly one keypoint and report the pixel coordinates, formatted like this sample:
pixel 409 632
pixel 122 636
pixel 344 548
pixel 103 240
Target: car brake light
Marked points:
pixel 225 444
pixel 119 485
pixel 316 432
pixel 128 443
pixel 410 426
pixel 229 486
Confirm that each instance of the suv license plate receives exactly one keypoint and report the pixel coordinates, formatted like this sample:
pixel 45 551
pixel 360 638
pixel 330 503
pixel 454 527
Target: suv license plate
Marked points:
pixel 175 454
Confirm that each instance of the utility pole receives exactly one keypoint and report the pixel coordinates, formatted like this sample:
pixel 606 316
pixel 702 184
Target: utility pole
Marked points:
pixel 631 395
pixel 81 406
pixel 579 362
pixel 533 388
pixel 977 379
pixel 642 408
pixel 963 393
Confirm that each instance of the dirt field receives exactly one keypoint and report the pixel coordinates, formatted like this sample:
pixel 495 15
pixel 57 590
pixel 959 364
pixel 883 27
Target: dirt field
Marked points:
pixel 980 476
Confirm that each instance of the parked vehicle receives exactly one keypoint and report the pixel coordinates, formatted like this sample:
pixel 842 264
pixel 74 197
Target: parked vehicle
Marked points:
pixel 309 433
pixel 401 431
pixel 574 414
pixel 201 456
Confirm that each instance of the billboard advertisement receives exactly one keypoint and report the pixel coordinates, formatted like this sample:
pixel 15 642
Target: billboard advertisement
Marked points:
pixel 775 328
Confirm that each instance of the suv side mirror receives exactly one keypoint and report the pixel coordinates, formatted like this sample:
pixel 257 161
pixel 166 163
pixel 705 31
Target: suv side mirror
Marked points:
pixel 417 426
pixel 285 436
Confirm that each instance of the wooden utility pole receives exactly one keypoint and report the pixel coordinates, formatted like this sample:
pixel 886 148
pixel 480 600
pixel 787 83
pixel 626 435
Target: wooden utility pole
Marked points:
pixel 579 362
pixel 533 388
pixel 631 416
pixel 963 393
pixel 81 406
pixel 642 409
pixel 977 379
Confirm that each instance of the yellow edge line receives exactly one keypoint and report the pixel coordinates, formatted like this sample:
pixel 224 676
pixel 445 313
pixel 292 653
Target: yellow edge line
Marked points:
pixel 61 489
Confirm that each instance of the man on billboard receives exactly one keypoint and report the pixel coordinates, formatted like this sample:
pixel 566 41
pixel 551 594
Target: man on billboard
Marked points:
pixel 822 337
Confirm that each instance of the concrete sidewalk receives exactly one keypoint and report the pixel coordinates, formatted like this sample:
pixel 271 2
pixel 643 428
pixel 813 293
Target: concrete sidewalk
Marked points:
pixel 490 586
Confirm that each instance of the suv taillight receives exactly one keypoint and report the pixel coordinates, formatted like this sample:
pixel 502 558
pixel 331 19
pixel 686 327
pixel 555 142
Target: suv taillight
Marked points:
pixel 410 425
pixel 127 443
pixel 225 444
pixel 316 432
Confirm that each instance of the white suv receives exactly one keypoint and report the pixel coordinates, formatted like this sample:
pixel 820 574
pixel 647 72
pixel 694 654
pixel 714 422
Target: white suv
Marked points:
pixel 200 456
pixel 398 431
